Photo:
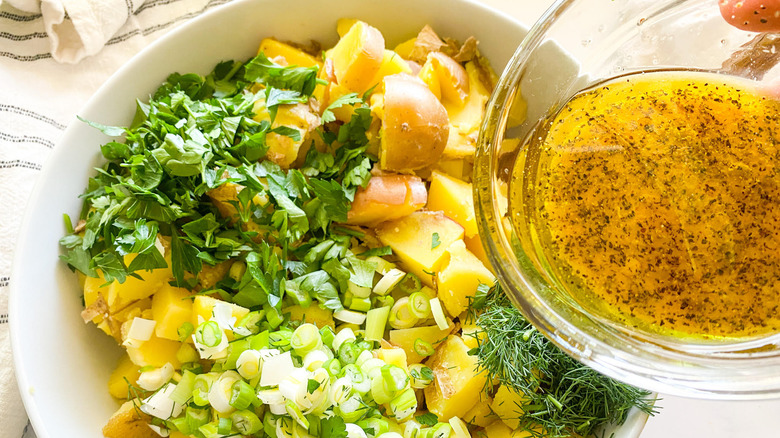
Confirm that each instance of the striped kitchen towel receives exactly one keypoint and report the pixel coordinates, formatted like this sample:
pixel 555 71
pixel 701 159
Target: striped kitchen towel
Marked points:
pixel 54 54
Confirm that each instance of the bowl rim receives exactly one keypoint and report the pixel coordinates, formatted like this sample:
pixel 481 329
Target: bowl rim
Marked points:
pixel 15 298
pixel 722 372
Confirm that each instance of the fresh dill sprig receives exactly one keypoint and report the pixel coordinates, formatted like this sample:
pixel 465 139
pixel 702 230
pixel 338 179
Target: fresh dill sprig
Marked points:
pixel 564 396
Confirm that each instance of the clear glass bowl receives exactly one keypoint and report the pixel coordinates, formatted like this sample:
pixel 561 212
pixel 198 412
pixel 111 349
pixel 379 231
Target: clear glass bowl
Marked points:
pixel 576 44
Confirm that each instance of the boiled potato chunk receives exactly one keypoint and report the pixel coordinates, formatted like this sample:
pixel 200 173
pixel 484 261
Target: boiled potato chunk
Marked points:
pixel 480 415
pixel 125 372
pixel 452 77
pixel 225 196
pixel 120 295
pixel 357 56
pixel 392 64
pixel 293 56
pixel 405 338
pixel 467 117
pixel 415 127
pixel 454 198
pixel 203 309
pixel 508 405
pixel 457 386
pixel 459 278
pixel 313 314
pixel 155 352
pixel 171 307
pixel 387 197
pixel 282 149
pixel 129 422
pixel 413 241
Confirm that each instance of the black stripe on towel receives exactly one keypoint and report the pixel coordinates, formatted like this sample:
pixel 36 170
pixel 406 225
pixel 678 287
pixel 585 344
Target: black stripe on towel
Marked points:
pixel 17 17
pixel 27 113
pixel 19 163
pixel 26 139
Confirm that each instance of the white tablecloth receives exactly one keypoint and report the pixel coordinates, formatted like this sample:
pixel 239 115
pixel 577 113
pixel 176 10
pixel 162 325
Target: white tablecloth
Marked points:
pixel 39 97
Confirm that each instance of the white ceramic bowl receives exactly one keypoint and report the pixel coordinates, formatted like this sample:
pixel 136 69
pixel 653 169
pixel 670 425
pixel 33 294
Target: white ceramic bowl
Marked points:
pixel 63 364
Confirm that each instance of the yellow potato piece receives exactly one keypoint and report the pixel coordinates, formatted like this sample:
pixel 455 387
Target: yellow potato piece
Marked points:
pixel 428 75
pixel 466 118
pixel 459 278
pixel 313 314
pixel 508 405
pixel 155 352
pixel 120 295
pixel 392 63
pixel 393 356
pixel 474 244
pixel 171 307
pixel 125 372
pixel 203 307
pixel 357 56
pixel 405 48
pixel 453 79
pixel 454 198
pixel 456 387
pixel 480 415
pixel 405 339
pixel 294 56
pixel 129 422
pixel 412 240
pixel 282 149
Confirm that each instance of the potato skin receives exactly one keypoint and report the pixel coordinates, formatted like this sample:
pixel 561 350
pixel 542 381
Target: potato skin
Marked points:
pixel 415 126
pixel 752 15
pixel 387 197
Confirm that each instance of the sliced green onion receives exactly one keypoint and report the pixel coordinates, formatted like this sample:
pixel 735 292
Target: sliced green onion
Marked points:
pixel 400 315
pixel 404 405
pixel 296 414
pixel 459 427
pixel 185 331
pixel 438 314
pixel 358 291
pixel 193 367
pixel 377 424
pixel 352 409
pixel 410 283
pixel 251 321
pixel 224 426
pixel 360 381
pixel 196 417
pixel 210 430
pixel 348 352
pixel 273 316
pixel 305 339
pixel 259 341
pixel 372 367
pixel 208 334
pixel 201 388
pixel 423 347
pixel 365 354
pixel 246 422
pixel 333 366
pixel 376 320
pixel 341 390
pixel 394 377
pixel 360 304
pixel 327 334
pixel 350 316
pixel 181 425
pixel 441 430
pixel 390 435
pixel 379 390
pixel 419 305
pixel 183 392
pixel 389 281
pixel 384 301
pixel 420 376
pixel 269 424
pixel 235 349
pixel 344 335
pixel 242 395
pixel 248 364
pixel 382 265
pixel 237 270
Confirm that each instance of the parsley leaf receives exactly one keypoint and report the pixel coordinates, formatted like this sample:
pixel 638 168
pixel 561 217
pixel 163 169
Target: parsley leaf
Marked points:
pixel 427 419
pixel 435 242
pixel 333 427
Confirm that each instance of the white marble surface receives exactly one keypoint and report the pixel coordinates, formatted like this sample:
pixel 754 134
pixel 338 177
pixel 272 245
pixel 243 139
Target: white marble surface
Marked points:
pixel 681 417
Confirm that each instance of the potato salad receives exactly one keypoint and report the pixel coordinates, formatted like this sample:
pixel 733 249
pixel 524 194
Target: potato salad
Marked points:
pixel 287 247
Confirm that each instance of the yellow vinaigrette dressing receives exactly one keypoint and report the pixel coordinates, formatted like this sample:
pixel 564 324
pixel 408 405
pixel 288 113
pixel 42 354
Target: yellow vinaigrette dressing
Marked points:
pixel 656 202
